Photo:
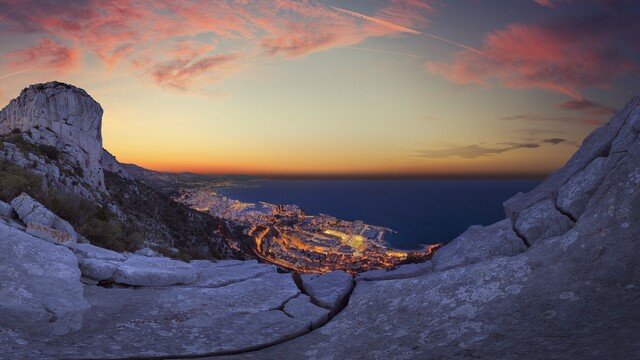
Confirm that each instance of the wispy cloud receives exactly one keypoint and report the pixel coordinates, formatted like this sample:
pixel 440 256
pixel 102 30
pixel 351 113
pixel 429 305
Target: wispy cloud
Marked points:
pixel 483 150
pixel 563 119
pixel 587 106
pixel 473 151
pixel 46 54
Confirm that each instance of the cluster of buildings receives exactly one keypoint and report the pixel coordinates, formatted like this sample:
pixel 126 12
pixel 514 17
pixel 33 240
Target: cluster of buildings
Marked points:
pixel 293 240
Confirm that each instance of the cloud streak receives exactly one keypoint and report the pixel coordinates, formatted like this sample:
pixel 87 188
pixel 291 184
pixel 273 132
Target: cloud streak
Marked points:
pixel 403 29
pixel 475 151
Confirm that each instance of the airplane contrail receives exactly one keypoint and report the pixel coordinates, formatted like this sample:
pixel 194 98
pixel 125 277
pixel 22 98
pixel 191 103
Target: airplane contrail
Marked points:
pixel 12 74
pixel 380 51
pixel 404 29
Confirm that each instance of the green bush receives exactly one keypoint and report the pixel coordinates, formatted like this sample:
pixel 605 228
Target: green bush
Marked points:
pixel 15 180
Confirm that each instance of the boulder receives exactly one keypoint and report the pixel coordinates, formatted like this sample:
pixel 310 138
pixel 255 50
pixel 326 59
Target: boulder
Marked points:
pixel 479 244
pixel 97 269
pixel 328 290
pixel 302 308
pixel 542 221
pixel 40 289
pixel 146 271
pixel 89 251
pixel 31 211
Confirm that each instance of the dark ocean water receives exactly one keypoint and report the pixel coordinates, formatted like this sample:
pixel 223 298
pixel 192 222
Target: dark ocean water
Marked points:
pixel 422 211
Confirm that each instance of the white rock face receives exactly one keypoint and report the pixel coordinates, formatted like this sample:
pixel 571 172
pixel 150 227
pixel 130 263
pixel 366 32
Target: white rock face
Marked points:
pixel 63 116
pixel 329 289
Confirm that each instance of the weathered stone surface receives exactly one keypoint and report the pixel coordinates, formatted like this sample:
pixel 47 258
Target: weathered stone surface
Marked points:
pixel 301 308
pixel 89 251
pixel 211 274
pixel 6 210
pixel 178 321
pixel 575 194
pixel 479 244
pixel 542 221
pixel 51 235
pixel 63 116
pixel 97 269
pixel 40 291
pixel 31 211
pixel 329 289
pixel 145 271
pixel 598 143
pixel 401 272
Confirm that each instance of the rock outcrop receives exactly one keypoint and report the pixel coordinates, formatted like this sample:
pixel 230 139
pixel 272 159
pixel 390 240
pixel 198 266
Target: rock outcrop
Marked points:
pixel 62 116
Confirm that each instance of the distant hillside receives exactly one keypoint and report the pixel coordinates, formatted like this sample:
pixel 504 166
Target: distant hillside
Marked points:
pixel 168 182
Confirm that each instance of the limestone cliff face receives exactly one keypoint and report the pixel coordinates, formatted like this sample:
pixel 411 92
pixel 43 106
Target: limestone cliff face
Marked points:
pixel 63 116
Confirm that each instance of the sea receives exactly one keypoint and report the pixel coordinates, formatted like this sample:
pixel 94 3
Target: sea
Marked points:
pixel 421 212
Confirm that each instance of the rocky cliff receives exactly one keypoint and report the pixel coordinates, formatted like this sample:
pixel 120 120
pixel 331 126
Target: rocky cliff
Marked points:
pixel 559 278
pixel 64 117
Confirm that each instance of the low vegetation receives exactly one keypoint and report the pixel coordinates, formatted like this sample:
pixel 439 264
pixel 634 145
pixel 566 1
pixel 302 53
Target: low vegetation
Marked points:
pixel 99 225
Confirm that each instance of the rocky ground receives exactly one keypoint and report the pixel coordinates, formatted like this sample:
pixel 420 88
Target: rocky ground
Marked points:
pixel 559 278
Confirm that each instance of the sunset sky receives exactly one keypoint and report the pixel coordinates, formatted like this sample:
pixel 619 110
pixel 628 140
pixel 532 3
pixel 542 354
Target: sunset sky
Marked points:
pixel 322 88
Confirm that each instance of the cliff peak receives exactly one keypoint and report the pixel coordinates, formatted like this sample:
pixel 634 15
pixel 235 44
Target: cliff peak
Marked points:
pixel 63 116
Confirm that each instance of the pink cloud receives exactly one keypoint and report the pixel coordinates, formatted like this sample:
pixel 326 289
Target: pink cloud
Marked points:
pixel 565 57
pixel 46 54
pixel 167 35
pixel 180 74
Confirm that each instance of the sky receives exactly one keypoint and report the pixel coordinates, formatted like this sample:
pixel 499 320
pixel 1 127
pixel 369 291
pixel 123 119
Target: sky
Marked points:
pixel 420 88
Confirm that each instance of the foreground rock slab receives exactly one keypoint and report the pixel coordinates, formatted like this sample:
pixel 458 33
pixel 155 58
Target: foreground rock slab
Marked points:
pixel 176 321
pixel 40 291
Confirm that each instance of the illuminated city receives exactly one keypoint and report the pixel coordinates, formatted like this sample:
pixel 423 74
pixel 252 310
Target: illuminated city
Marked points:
pixel 285 236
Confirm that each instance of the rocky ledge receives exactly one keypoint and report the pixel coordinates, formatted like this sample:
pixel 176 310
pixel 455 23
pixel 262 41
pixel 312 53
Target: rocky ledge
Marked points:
pixel 559 278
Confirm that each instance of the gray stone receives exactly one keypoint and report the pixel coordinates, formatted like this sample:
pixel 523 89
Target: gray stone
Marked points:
pixel 575 194
pixel 302 309
pixel 31 211
pixel 111 164
pixel 328 290
pixel 214 275
pixel 97 269
pixel 401 272
pixel 145 271
pixel 51 235
pixel 542 221
pixel 184 321
pixel 40 289
pixel 479 244
pixel 6 210
pixel 89 251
